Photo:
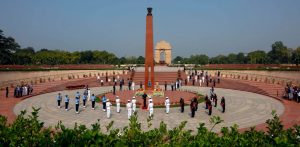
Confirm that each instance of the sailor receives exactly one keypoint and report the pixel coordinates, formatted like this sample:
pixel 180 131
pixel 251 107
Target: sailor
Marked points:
pixel 58 98
pixel 133 85
pixel 133 101
pixel 167 104
pixel 118 104
pixel 150 100
pixel 84 100
pixel 150 108
pixel 93 99
pixel 67 102
pixel 128 106
pixel 89 94
pixel 108 104
pixel 77 104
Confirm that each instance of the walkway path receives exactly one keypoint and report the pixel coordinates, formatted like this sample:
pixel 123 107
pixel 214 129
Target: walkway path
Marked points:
pixel 243 108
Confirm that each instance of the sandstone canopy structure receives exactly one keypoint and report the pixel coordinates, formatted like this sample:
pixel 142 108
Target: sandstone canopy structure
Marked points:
pixel 163 52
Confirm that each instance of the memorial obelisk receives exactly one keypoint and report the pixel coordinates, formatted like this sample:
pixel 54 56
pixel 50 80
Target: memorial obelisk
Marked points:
pixel 149 57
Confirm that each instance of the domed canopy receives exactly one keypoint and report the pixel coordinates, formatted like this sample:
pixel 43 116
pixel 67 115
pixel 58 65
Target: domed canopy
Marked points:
pixel 163 45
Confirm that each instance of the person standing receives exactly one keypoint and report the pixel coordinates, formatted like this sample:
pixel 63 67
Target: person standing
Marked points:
pixel 223 104
pixel 133 101
pixel 129 108
pixel 58 98
pixel 89 94
pixel 102 82
pixel 93 99
pixel 206 99
pixel 114 89
pixel 67 102
pixel 6 92
pixel 165 85
pixel 216 100
pixel 84 100
pixel 77 104
pixel 133 85
pixel 150 108
pixel 118 104
pixel 209 107
pixel 77 94
pixel 196 103
pixel 144 98
pixel 104 103
pixel 182 105
pixel 108 104
pixel 193 108
pixel 167 104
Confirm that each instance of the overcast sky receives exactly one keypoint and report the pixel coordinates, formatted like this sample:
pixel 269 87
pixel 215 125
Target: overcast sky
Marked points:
pixel 209 27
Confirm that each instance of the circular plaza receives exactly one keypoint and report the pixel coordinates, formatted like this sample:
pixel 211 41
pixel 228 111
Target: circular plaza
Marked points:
pixel 246 109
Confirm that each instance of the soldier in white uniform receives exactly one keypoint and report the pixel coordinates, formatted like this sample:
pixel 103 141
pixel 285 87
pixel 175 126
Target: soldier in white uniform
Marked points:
pixel 118 104
pixel 133 101
pixel 129 108
pixel 150 108
pixel 89 94
pixel 133 85
pixel 108 104
pixel 167 104
pixel 150 100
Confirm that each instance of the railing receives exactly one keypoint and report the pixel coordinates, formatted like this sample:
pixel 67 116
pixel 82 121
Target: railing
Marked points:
pixel 56 77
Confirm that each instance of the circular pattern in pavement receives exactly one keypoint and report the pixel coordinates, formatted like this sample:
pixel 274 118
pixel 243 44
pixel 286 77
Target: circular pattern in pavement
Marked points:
pixel 242 108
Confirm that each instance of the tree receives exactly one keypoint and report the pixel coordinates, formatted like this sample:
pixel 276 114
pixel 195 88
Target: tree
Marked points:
pixel 140 60
pixel 23 56
pixel 257 57
pixel 279 53
pixel 240 57
pixel 176 59
pixel 7 47
pixel 296 56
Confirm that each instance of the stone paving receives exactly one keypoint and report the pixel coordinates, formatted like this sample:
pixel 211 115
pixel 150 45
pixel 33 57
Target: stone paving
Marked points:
pixel 242 108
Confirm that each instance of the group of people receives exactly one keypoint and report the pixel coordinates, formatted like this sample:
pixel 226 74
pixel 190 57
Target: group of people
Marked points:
pixel 209 103
pixel 202 77
pixel 292 93
pixel 85 97
pixel 21 90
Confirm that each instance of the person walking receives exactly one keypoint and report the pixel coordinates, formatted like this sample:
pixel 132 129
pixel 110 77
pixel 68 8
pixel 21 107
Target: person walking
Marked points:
pixel 108 104
pixel 67 102
pixel 167 104
pixel 58 98
pixel 93 99
pixel 193 108
pixel 118 104
pixel 104 103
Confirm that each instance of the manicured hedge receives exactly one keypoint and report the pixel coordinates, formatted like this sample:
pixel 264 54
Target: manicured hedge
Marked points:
pixel 28 131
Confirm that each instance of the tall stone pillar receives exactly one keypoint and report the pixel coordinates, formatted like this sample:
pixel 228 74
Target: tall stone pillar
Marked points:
pixel 149 58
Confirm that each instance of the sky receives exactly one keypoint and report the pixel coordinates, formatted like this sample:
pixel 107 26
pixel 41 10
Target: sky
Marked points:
pixel 210 27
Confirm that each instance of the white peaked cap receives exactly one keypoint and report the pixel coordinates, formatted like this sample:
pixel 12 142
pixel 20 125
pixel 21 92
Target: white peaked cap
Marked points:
pixel 128 101
pixel 133 97
pixel 167 97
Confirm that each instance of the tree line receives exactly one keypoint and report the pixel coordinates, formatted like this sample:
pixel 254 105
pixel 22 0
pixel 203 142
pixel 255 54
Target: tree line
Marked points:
pixel 12 53
pixel 279 54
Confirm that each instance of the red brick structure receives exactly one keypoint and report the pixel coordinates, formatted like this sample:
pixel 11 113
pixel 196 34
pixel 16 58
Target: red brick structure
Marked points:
pixel 149 60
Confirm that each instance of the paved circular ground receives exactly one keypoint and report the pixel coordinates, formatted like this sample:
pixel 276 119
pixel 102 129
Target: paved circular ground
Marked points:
pixel 242 108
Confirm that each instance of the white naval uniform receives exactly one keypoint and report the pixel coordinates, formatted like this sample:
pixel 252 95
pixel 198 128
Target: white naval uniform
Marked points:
pixel 132 85
pixel 118 105
pixel 128 105
pixel 108 104
pixel 167 104
pixel 133 104
pixel 89 95
pixel 150 108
